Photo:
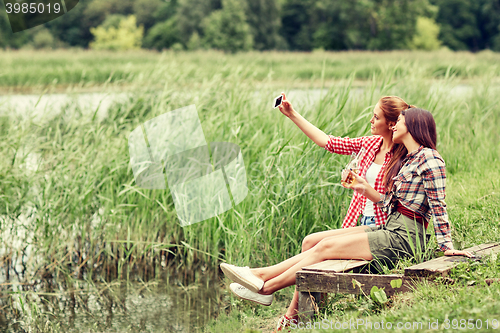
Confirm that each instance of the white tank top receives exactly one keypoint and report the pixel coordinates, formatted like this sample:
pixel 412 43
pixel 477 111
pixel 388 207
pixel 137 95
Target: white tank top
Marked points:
pixel 371 176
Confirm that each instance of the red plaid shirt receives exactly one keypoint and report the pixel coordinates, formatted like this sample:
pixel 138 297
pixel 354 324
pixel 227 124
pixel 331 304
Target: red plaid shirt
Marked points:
pixel 347 146
pixel 420 187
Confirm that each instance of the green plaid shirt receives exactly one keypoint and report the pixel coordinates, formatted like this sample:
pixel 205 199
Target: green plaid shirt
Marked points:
pixel 420 187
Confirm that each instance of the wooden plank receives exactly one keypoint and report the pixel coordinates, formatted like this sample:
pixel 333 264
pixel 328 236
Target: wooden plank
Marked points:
pixel 324 282
pixel 308 305
pixel 341 265
pixel 441 266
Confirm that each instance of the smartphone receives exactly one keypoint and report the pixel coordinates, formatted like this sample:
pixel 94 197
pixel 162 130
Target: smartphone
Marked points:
pixel 278 101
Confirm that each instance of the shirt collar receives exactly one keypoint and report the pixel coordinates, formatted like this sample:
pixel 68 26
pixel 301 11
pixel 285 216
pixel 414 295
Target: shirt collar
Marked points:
pixel 414 152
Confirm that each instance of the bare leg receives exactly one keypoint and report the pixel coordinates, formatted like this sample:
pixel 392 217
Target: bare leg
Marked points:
pixel 293 308
pixel 351 246
pixel 267 273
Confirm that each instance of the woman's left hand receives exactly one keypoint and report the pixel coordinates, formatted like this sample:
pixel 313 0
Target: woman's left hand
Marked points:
pixel 458 253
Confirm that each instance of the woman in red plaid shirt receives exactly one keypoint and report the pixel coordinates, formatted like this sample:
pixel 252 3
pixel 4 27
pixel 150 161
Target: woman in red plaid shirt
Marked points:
pixel 378 151
pixel 415 192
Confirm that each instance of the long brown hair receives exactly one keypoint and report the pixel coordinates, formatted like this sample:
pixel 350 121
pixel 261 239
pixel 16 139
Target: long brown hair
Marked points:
pixel 392 106
pixel 422 127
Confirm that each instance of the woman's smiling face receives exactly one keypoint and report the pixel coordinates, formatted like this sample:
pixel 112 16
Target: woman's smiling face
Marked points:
pixel 378 122
pixel 399 130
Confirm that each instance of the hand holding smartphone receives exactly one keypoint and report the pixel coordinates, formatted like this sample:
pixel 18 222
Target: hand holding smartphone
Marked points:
pixel 284 105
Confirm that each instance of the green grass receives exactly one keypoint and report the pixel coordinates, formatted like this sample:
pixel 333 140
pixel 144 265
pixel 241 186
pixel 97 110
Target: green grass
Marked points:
pixel 90 221
pixel 84 69
pixel 475 218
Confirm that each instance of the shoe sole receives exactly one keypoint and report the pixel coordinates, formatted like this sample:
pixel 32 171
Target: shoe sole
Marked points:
pixel 238 279
pixel 250 299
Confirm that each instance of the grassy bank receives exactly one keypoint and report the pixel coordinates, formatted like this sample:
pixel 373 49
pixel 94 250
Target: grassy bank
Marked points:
pixel 70 208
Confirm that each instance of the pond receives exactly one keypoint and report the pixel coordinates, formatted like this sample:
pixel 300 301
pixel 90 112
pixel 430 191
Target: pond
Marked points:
pixel 159 305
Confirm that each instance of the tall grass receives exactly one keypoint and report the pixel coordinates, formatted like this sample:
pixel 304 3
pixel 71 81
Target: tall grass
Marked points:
pixel 77 69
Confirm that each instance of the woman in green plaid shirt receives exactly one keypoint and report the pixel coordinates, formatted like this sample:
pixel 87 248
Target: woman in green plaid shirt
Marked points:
pixel 415 185
pixel 414 193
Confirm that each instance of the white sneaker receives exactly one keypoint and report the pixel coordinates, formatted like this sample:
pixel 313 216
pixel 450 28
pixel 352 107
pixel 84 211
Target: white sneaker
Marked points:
pixel 243 276
pixel 244 293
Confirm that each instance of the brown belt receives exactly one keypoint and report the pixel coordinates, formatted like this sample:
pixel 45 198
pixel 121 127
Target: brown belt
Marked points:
pixel 409 213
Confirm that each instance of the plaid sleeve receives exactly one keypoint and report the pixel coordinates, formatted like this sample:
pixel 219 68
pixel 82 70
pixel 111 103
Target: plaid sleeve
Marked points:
pixel 384 203
pixel 343 146
pixel 434 179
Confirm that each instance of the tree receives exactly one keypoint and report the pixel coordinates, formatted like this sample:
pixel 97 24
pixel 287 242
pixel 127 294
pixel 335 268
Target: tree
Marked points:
pixel 459 25
pixel 43 39
pixel 355 24
pixel 395 22
pixel 163 35
pixel 97 11
pixel 296 24
pixel 226 29
pixel 144 11
pixel 151 12
pixel 191 14
pixel 264 20
pixel 127 36
pixel 7 37
pixel 489 24
pixel 343 24
pixel 426 37
pixel 72 29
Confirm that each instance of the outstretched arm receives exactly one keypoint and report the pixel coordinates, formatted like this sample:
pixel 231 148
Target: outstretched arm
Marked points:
pixel 314 133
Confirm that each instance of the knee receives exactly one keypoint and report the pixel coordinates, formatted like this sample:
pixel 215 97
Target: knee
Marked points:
pixel 324 249
pixel 307 243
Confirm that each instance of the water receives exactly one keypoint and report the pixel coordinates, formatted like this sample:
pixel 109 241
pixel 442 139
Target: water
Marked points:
pixel 121 306
pixel 43 107
pixel 167 302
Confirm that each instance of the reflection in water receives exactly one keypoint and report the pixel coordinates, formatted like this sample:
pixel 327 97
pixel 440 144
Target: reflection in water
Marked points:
pixel 79 306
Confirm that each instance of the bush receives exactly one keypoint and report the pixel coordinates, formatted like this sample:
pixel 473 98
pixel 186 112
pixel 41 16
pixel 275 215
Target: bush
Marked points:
pixel 496 42
pixel 43 39
pixel 426 35
pixel 162 35
pixel 127 36
pixel 194 42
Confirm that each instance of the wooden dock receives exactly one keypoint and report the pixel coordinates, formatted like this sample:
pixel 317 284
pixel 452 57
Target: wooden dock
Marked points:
pixel 342 276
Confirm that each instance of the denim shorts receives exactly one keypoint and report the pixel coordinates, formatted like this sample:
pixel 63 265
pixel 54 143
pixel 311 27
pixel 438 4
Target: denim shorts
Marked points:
pixel 367 220
pixel 400 237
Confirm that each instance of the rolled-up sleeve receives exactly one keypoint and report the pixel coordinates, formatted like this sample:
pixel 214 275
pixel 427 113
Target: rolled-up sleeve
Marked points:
pixel 434 179
pixel 343 146
pixel 382 203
